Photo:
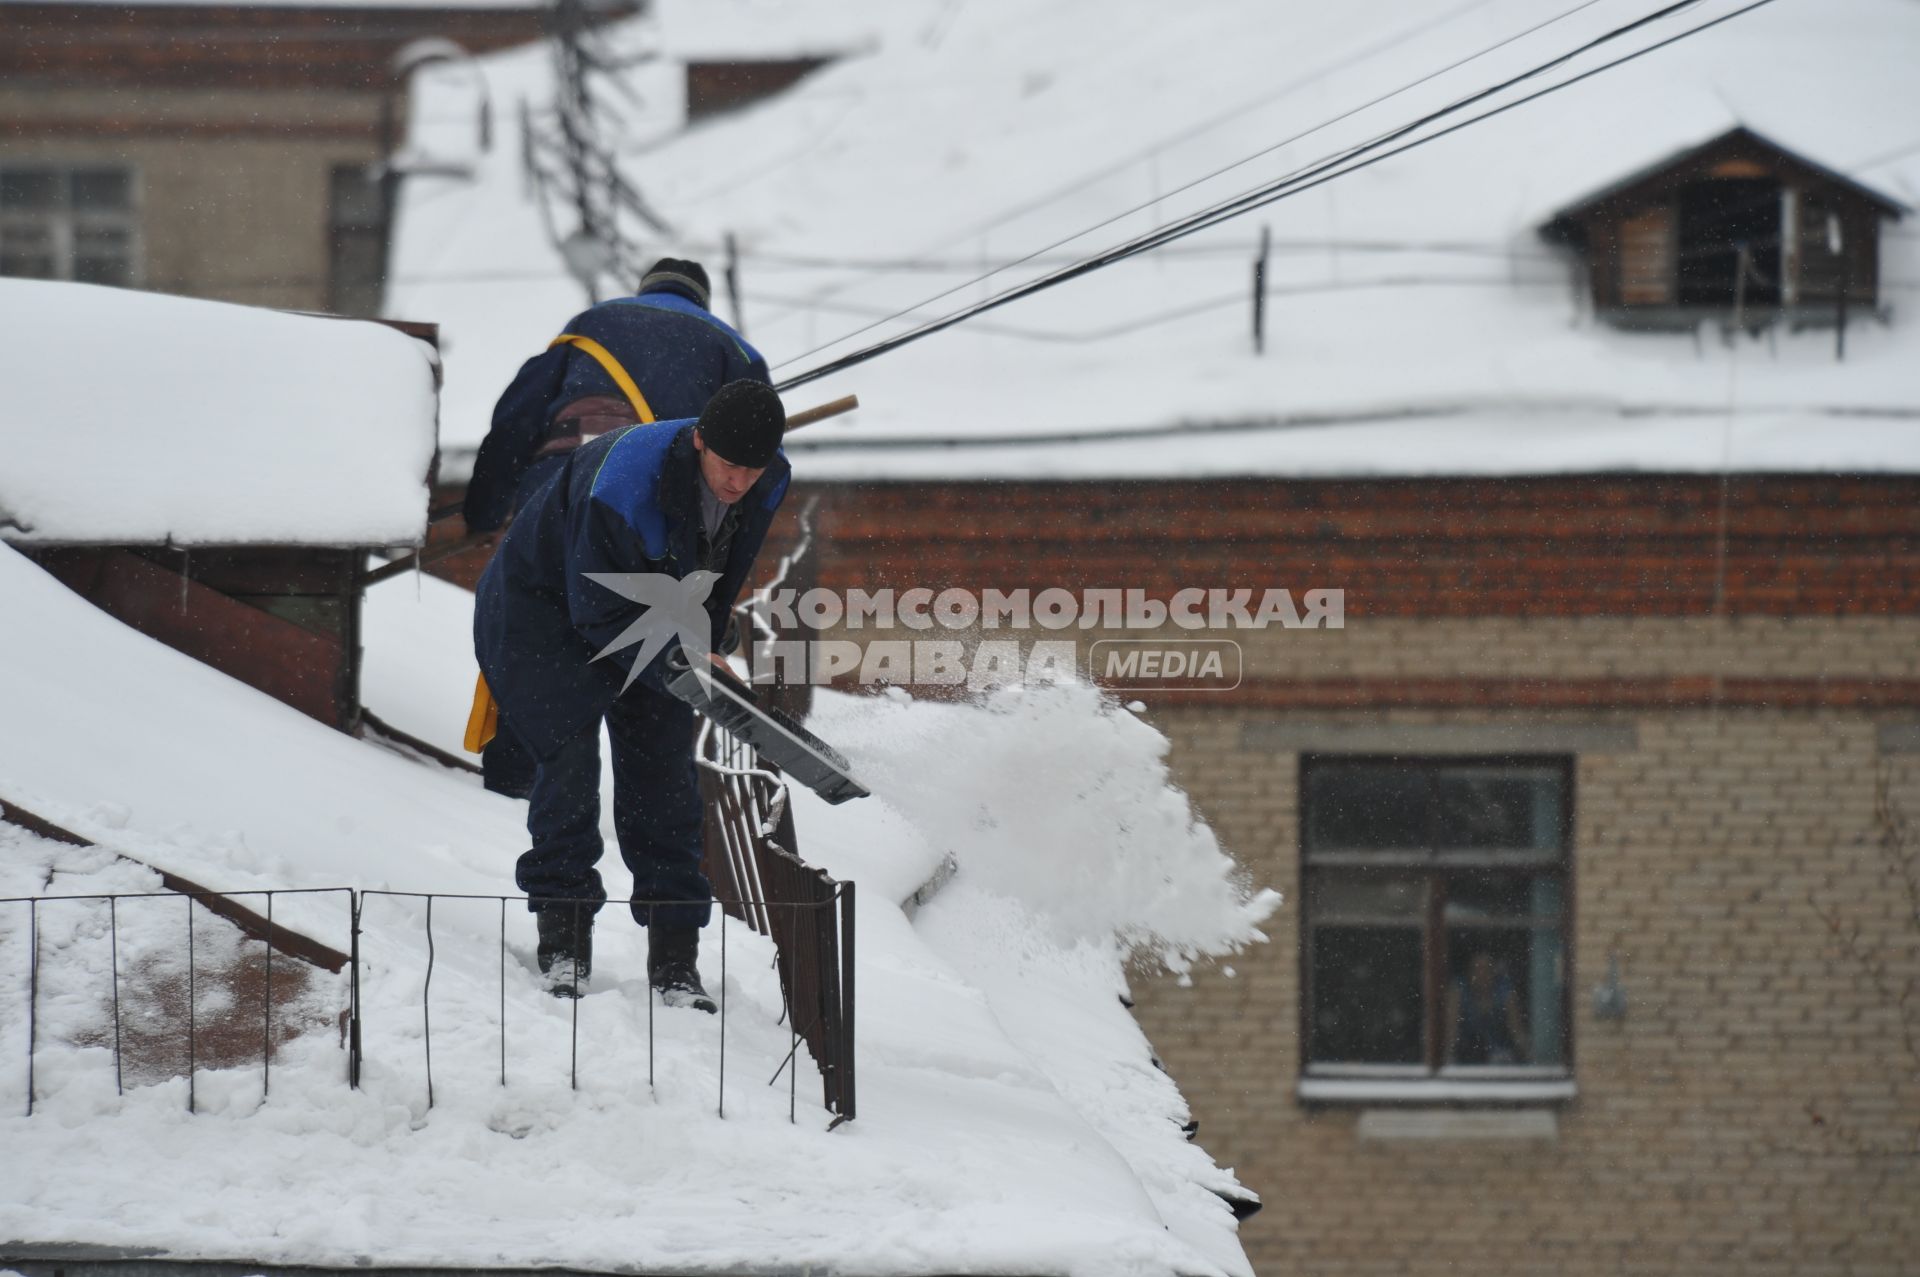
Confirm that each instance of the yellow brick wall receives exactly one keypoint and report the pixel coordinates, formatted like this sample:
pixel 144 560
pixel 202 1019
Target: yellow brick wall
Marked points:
pixel 1590 647
pixel 1701 857
pixel 1512 647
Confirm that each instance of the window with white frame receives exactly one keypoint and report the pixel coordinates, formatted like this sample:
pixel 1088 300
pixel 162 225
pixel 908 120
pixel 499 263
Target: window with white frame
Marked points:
pixel 74 222
pixel 1435 930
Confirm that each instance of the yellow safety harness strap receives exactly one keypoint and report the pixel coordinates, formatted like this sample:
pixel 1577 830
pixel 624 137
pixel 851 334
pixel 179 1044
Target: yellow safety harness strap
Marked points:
pixel 484 720
pixel 604 357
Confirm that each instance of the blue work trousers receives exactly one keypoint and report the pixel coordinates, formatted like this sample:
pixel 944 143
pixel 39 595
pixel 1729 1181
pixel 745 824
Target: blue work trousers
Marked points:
pixel 657 814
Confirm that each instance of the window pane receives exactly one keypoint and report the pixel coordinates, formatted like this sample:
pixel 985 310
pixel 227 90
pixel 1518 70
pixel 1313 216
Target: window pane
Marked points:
pixel 113 271
pixel 102 190
pixel 26 252
pixel 1493 808
pixel 102 255
pixel 1504 994
pixel 25 265
pixel 1370 806
pixel 100 240
pixel 1365 893
pixel 1491 897
pixel 37 189
pixel 1369 1002
pixel 355 280
pixel 1718 217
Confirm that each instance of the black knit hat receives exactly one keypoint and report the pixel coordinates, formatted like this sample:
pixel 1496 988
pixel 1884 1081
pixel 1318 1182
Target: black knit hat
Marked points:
pixel 675 274
pixel 743 423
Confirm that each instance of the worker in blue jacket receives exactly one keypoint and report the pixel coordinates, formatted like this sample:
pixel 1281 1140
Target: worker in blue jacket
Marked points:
pixel 673 512
pixel 658 355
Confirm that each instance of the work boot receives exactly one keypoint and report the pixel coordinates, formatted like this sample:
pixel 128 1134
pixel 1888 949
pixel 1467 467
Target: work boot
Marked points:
pixel 673 967
pixel 566 947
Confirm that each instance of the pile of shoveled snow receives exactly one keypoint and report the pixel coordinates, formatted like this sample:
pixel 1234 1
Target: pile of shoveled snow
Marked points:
pixel 1055 796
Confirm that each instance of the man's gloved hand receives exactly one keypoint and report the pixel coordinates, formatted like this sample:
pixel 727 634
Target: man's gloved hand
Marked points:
pixel 730 639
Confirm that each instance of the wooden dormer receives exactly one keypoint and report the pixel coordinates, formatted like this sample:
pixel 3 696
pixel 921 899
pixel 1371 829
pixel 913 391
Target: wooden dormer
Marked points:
pixel 1739 228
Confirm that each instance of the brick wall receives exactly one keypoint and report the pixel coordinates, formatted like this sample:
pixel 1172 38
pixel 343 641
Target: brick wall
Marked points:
pixel 1757 712
pixel 1583 545
pixel 1700 855
pixel 716 87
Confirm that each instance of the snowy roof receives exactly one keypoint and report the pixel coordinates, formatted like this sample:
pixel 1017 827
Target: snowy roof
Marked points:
pixel 1414 297
pixel 269 427
pixel 1010 1120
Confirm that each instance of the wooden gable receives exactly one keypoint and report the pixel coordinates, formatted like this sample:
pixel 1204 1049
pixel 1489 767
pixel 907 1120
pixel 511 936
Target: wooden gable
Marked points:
pixel 1739 224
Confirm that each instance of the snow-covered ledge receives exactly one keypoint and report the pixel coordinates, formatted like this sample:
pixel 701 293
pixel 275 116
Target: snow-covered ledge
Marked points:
pixel 1339 1090
pixel 1458 1124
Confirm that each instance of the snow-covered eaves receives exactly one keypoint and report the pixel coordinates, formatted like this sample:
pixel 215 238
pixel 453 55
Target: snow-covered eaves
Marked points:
pixel 134 418
pixel 875 194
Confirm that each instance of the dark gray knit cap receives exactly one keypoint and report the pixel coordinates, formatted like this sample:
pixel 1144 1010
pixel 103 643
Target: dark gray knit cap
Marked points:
pixel 680 276
pixel 744 422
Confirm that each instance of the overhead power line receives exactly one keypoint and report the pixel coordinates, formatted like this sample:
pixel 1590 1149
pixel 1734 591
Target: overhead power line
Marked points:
pixel 1339 165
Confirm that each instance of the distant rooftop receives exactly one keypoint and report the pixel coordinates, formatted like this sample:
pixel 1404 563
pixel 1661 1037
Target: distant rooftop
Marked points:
pixel 1414 295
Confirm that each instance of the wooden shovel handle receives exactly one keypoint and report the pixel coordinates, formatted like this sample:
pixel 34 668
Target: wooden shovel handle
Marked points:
pixel 825 410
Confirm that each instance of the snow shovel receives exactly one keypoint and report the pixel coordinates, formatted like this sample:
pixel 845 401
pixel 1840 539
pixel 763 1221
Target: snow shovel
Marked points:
pixel 781 741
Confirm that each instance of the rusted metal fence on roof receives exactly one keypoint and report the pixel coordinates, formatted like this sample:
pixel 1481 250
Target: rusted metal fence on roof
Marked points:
pixel 227 1035
pixel 752 858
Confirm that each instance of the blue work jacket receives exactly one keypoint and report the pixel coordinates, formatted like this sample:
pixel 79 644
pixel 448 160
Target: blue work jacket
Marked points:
pixel 676 351
pixel 627 501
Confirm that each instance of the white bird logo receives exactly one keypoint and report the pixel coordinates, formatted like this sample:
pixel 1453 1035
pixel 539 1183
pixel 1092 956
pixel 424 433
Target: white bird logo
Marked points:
pixel 675 608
